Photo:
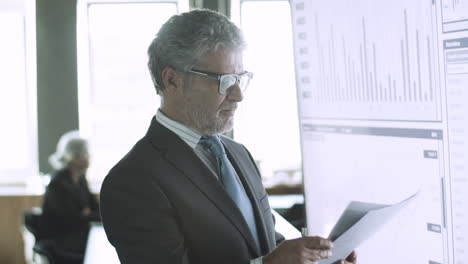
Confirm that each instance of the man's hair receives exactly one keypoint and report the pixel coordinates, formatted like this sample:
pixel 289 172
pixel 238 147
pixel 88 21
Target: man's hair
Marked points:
pixel 185 38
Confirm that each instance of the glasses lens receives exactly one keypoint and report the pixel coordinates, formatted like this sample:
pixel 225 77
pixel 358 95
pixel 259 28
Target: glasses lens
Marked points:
pixel 244 82
pixel 226 82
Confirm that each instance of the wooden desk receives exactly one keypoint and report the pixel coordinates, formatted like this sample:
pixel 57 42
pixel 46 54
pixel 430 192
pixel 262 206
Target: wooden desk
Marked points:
pixel 12 205
pixel 13 202
pixel 285 189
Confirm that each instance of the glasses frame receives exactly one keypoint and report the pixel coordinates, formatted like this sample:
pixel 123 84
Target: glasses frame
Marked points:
pixel 219 77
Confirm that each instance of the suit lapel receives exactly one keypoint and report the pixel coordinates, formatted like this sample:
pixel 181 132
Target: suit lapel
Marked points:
pixel 246 176
pixel 182 156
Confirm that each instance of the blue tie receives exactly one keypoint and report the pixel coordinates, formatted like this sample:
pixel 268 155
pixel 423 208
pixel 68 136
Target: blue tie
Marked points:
pixel 231 183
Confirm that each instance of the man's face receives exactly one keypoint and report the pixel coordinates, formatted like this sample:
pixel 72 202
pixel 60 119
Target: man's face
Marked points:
pixel 204 108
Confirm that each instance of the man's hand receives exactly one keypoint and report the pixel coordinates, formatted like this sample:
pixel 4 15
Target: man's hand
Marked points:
pixel 350 259
pixel 304 250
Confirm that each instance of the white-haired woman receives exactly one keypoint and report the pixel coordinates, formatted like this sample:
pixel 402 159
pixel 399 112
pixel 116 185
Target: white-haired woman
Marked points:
pixel 68 205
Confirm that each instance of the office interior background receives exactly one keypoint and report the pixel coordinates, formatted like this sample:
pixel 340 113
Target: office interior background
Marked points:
pixel 81 65
pixel 364 100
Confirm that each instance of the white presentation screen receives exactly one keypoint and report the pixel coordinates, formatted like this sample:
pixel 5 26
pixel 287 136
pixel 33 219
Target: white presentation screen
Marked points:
pixel 383 105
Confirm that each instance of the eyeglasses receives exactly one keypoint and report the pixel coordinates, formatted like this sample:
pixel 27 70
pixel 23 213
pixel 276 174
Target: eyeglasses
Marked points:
pixel 226 81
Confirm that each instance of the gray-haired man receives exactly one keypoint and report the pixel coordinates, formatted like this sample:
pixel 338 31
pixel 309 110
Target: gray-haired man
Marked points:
pixel 185 194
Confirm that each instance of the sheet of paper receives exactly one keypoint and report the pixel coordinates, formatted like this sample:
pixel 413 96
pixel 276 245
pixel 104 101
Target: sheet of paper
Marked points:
pixel 359 222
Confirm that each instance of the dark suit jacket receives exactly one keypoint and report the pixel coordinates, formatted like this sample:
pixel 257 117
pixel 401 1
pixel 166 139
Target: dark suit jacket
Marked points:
pixel 161 204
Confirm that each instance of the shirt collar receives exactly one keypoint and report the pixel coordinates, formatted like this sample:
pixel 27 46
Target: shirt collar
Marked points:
pixel 187 134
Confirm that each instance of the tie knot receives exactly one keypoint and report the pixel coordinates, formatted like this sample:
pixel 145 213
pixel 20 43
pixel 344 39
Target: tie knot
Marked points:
pixel 213 144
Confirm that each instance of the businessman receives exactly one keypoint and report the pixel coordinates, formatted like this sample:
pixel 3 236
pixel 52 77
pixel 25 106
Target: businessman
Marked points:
pixel 184 194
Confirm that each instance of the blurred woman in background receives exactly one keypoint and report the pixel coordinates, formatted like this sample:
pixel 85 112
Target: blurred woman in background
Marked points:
pixel 68 206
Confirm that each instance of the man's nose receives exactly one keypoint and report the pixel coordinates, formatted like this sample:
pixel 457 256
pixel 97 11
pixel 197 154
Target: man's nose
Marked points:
pixel 234 93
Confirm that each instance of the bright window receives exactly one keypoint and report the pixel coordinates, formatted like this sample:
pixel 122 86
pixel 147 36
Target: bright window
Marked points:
pixel 117 98
pixel 18 151
pixel 267 120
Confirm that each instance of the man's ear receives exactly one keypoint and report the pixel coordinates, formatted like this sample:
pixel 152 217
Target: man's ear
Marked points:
pixel 172 79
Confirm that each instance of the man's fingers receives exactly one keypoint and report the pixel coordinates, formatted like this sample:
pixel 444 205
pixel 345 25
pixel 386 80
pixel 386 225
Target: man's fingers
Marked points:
pixel 306 250
pixel 341 261
pixel 317 243
pixel 316 254
pixel 352 257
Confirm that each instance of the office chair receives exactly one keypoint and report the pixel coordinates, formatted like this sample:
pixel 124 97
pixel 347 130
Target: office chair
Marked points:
pixel 42 249
pixel 42 252
pixel 45 250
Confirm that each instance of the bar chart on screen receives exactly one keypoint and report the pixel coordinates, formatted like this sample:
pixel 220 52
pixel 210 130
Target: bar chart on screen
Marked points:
pixel 383 106
pixel 356 73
